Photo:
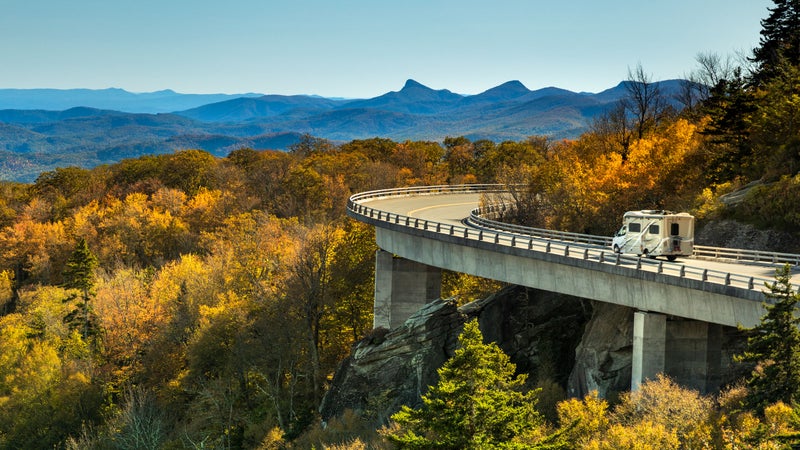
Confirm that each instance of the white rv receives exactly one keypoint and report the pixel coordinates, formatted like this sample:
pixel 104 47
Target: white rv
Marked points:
pixel 655 233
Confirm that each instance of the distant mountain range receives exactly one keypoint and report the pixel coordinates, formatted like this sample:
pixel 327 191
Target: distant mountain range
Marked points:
pixel 44 128
pixel 112 98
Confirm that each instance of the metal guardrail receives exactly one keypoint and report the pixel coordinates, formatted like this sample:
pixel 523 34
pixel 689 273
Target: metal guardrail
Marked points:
pixel 483 217
pixel 572 245
pixel 735 254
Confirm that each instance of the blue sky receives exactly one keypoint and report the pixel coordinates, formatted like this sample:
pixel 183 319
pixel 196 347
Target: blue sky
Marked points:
pixel 361 48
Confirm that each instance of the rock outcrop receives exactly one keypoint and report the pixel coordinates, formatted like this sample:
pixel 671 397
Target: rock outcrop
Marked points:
pixel 578 344
pixel 538 330
pixel 603 357
pixel 732 234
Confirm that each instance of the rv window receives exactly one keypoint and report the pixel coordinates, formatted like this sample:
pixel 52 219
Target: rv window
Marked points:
pixel 674 229
pixel 653 229
pixel 634 227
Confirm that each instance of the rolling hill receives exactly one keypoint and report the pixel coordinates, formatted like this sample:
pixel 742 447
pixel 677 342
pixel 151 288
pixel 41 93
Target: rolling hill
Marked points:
pixel 35 139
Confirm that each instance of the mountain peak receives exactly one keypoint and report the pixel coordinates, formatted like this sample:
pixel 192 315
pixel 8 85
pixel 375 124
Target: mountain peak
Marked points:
pixel 506 91
pixel 515 85
pixel 411 84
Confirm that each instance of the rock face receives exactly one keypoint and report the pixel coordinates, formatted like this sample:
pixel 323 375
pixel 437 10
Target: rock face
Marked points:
pixel 603 357
pixel 732 234
pixel 390 368
pixel 578 344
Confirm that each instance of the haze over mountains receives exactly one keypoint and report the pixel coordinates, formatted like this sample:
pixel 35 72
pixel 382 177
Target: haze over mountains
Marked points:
pixel 43 128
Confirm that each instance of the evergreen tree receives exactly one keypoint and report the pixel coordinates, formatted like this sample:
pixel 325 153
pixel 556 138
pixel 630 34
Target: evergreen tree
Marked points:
pixel 478 404
pixel 780 40
pixel 730 107
pixel 79 274
pixel 775 347
pixel 79 270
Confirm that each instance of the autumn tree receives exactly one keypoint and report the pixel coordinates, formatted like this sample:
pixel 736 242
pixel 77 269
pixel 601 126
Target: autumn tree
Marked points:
pixel 310 289
pixel 188 170
pixel 645 102
pixel 774 346
pixel 478 403
pixel 69 187
pixel 460 159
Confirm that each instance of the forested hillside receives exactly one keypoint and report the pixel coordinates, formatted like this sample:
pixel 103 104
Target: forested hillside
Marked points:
pixel 34 141
pixel 187 300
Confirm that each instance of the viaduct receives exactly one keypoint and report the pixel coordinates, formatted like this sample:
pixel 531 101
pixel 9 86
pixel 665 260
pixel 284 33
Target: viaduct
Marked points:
pixel 679 307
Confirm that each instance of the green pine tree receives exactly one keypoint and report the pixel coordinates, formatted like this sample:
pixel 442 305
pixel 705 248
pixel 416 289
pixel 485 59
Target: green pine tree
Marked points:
pixel 780 40
pixel 79 274
pixel 478 403
pixel 774 347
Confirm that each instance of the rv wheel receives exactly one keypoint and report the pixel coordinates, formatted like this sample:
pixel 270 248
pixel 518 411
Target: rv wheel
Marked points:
pixel 672 257
pixel 616 249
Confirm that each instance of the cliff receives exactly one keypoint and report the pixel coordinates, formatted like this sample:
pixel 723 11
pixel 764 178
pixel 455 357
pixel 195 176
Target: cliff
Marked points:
pixel 575 343
pixel 538 330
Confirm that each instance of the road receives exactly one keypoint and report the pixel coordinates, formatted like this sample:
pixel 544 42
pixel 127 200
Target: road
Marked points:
pixel 453 208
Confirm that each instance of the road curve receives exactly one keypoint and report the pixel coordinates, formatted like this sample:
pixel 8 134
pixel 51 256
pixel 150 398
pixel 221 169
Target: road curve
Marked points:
pixel 453 209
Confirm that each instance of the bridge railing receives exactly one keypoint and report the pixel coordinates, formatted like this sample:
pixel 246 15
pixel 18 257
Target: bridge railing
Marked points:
pixel 735 254
pixel 484 215
pixel 571 245
pixel 427 190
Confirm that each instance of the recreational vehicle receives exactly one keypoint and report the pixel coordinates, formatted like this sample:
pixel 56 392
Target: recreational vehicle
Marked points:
pixel 655 233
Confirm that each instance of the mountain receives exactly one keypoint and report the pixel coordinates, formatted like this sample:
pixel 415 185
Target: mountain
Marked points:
pixel 246 108
pixel 112 98
pixel 34 139
pixel 414 98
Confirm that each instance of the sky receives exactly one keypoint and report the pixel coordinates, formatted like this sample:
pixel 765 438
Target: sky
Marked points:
pixel 362 48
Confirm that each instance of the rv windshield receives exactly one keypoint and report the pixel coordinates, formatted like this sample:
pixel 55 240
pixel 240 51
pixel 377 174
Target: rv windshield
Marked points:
pixel 622 231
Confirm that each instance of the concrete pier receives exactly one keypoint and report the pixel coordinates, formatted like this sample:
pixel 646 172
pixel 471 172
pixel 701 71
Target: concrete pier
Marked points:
pixel 649 347
pixel 688 351
pixel 694 354
pixel 402 287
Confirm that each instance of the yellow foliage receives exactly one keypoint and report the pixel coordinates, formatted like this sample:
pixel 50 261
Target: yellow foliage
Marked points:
pixel 169 200
pixel 640 436
pixel 6 284
pixel 777 418
pixel 661 401
pixel 273 440
pixel 128 315
pixel 588 418
pixel 41 248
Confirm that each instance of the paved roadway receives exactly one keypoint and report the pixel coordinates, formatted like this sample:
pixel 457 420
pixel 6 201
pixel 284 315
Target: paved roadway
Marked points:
pixel 452 209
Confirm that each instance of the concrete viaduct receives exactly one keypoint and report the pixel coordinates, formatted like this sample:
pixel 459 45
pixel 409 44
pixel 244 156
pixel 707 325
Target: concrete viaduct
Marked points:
pixel 421 231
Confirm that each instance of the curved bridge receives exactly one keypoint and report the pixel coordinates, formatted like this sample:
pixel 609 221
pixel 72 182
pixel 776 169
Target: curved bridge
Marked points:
pixel 425 229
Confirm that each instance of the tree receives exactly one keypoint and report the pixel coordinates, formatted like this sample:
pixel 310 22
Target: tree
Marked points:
pixel 79 274
pixel 730 107
pixel 644 102
pixel 712 69
pixel 478 403
pixel 780 40
pixel 310 145
pixel 775 137
pixel 774 346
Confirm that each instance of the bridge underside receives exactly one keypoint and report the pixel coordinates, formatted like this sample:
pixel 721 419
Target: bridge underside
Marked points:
pixel 643 291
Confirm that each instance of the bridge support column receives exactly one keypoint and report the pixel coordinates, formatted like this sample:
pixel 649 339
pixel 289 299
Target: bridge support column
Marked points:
pixel 694 354
pixel 402 287
pixel 649 347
